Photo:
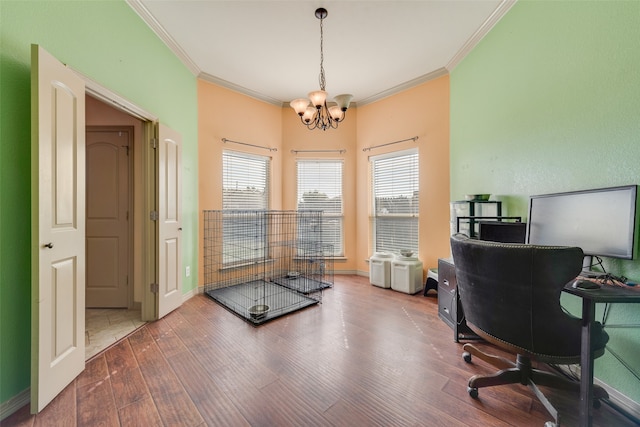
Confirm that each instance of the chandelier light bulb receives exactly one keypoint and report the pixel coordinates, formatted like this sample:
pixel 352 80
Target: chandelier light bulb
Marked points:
pixel 336 113
pixel 309 114
pixel 299 105
pixel 343 101
pixel 318 98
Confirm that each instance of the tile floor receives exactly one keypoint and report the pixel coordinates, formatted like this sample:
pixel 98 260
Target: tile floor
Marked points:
pixel 105 326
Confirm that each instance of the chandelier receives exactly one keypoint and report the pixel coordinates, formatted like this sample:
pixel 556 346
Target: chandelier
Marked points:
pixel 314 112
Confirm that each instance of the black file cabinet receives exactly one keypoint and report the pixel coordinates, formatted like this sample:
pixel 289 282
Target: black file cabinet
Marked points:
pixel 449 307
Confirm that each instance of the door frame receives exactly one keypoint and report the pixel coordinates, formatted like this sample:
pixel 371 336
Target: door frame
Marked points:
pixel 149 135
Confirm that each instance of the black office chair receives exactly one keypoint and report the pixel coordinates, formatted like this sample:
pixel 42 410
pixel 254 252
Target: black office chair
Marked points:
pixel 510 295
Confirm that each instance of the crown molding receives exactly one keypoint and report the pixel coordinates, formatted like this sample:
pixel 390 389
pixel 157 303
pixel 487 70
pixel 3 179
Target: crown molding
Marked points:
pixel 404 86
pixel 241 89
pixel 159 30
pixel 484 29
pixel 471 43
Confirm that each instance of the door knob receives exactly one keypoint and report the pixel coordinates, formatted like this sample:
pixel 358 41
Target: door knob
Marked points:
pixel 49 245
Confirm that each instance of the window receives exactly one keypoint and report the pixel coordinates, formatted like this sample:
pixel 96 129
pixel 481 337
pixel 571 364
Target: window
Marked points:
pixel 245 181
pixel 245 189
pixel 320 188
pixel 394 179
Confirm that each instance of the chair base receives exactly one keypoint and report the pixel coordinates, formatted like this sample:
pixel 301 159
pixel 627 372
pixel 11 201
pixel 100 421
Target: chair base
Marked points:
pixel 521 372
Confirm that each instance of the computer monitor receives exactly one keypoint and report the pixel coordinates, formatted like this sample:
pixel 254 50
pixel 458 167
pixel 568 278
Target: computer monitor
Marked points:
pixel 502 231
pixel 602 221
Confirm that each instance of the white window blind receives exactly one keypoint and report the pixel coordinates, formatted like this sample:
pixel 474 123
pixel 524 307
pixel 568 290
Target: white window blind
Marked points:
pixel 245 181
pixel 320 188
pixel 394 180
pixel 245 188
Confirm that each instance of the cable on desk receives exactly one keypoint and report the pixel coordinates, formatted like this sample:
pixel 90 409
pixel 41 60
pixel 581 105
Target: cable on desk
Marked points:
pixel 605 314
pixel 598 263
pixel 567 372
pixel 454 300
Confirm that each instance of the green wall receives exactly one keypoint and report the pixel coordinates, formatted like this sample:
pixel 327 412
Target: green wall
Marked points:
pixel 107 41
pixel 549 101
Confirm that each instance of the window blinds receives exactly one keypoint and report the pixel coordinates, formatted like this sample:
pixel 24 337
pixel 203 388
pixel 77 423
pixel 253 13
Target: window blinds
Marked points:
pixel 245 186
pixel 320 188
pixel 245 181
pixel 395 201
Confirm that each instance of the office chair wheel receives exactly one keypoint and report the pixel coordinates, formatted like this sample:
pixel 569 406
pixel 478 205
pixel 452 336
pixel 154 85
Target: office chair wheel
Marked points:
pixel 473 392
pixel 466 356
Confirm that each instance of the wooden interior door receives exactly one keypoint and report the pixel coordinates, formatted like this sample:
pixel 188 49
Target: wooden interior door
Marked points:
pixel 58 227
pixel 169 220
pixel 108 213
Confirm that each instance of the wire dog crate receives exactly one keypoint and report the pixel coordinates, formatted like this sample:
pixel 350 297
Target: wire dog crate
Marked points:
pixel 263 264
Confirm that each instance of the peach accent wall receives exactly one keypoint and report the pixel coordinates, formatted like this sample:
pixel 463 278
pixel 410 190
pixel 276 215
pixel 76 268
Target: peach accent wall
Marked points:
pixel 296 136
pixel 422 111
pixel 223 113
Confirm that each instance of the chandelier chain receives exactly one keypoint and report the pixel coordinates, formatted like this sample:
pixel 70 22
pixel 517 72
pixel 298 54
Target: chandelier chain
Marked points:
pixel 322 80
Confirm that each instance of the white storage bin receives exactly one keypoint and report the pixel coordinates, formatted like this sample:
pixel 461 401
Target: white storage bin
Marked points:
pixel 380 269
pixel 406 275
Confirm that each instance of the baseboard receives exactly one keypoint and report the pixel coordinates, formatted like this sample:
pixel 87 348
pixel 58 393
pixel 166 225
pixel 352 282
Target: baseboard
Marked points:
pixel 190 294
pixel 627 405
pixel 345 272
pixel 16 402
pixel 618 400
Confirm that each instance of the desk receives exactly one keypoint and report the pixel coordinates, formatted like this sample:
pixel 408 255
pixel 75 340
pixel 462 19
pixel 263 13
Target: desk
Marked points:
pixel 606 294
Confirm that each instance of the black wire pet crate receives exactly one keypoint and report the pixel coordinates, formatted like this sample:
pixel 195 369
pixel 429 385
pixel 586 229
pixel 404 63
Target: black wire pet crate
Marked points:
pixel 264 264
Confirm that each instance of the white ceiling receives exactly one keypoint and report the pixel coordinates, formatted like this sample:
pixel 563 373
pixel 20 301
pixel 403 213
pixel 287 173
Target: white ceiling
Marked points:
pixel 271 49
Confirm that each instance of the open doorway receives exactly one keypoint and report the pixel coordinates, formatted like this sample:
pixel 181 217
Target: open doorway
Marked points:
pixel 115 228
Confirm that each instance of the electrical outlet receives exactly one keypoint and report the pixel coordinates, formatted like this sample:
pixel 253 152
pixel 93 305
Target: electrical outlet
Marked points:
pixel 187 271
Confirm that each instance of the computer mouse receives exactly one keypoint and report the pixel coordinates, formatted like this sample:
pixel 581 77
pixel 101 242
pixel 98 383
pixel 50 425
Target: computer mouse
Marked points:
pixel 585 284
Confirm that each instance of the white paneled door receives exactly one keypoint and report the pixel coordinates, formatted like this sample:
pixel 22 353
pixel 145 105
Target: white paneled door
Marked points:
pixel 169 220
pixel 58 227
pixel 59 220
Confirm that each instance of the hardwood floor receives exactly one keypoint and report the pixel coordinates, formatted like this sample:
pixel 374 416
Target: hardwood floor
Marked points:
pixel 366 356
